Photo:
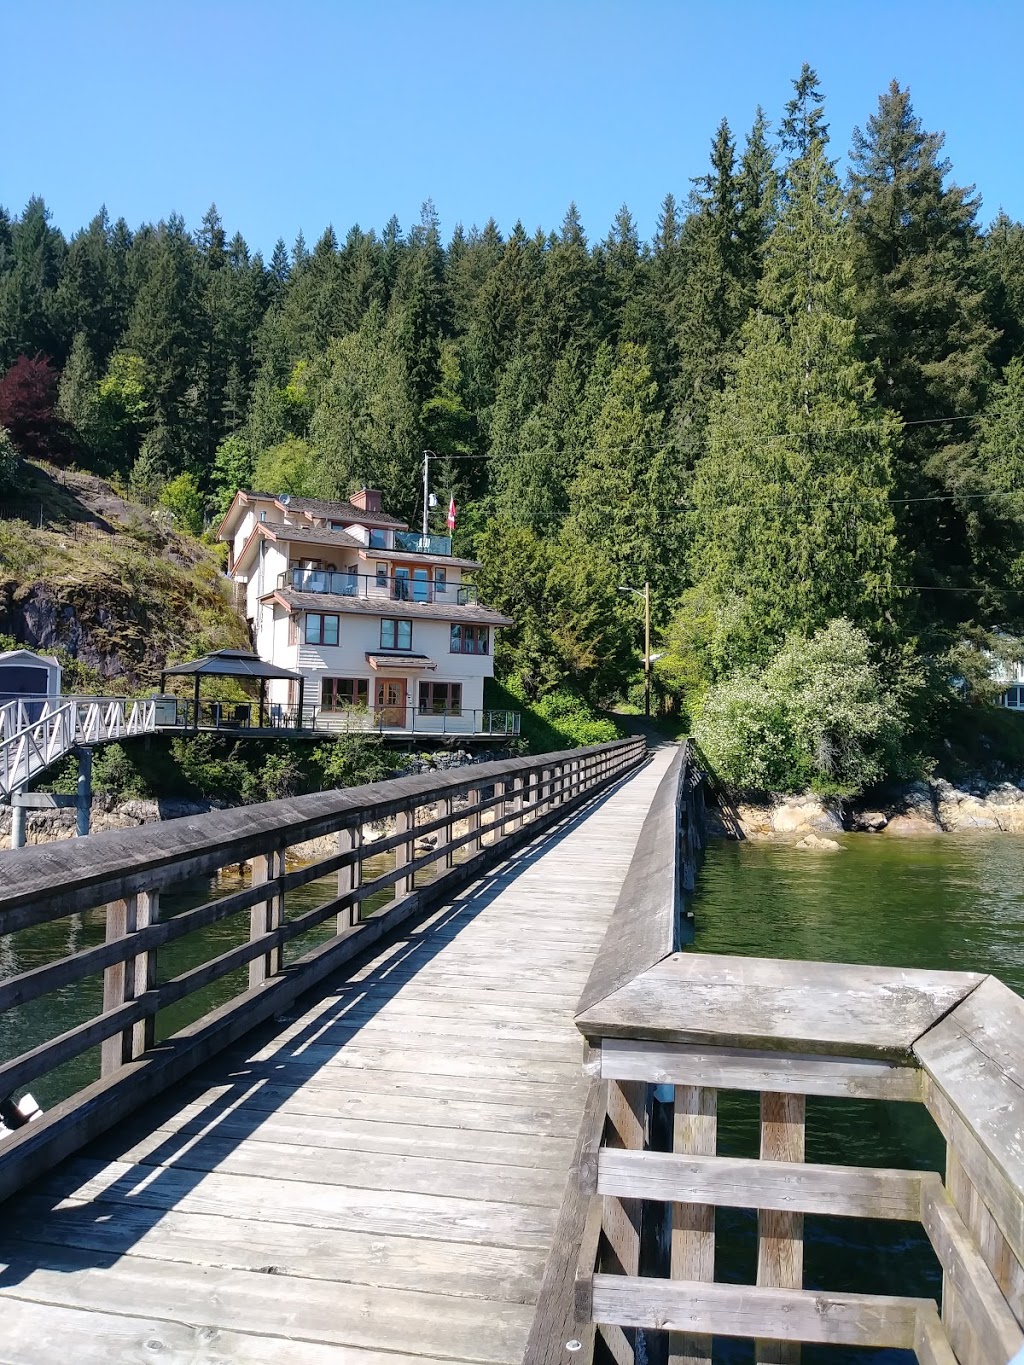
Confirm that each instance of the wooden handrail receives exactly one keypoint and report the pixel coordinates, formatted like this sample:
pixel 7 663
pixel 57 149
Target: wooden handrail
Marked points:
pixel 49 881
pixel 648 921
pixel 502 804
pixel 658 1020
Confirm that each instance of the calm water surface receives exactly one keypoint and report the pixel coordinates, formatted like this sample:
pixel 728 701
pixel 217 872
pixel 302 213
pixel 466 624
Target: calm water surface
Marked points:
pixel 949 901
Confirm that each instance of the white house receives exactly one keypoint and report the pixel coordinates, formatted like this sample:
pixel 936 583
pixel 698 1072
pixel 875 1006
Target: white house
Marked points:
pixel 378 620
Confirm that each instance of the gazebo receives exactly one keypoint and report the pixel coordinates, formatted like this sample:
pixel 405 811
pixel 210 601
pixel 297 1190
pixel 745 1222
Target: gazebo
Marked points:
pixel 234 663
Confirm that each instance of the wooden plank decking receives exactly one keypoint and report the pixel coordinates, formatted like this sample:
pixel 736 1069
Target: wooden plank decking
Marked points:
pixel 375 1183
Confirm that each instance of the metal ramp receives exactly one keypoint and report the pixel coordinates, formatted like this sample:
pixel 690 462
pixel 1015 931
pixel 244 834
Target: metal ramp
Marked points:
pixel 34 734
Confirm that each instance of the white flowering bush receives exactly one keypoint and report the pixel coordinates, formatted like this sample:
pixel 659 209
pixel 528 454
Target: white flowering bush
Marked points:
pixel 818 715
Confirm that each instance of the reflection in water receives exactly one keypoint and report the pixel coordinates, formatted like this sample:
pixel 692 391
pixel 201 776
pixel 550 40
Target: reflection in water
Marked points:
pixel 949 901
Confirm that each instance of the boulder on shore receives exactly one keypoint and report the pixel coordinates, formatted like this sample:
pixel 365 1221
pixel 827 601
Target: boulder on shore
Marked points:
pixel 815 841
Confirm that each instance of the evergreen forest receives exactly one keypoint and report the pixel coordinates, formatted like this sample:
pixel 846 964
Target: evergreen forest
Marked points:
pixel 797 413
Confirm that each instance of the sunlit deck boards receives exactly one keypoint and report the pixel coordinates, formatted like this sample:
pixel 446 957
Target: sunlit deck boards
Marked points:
pixel 374 1183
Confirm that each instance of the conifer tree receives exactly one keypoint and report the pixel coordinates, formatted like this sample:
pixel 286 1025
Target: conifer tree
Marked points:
pixel 921 308
pixel 625 494
pixel 791 522
pixel 709 310
pixel 77 392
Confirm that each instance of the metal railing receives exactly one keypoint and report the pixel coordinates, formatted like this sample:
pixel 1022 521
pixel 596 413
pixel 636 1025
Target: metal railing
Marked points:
pixel 395 588
pixel 448 828
pixel 234 716
pixel 35 733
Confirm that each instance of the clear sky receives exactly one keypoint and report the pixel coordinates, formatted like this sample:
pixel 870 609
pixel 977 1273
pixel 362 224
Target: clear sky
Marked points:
pixel 300 114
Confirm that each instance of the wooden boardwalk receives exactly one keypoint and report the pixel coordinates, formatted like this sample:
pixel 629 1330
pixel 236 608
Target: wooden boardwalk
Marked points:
pixel 375 1182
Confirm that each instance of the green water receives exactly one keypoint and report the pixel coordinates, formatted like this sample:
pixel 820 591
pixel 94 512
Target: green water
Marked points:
pixel 948 901
pixel 41 1020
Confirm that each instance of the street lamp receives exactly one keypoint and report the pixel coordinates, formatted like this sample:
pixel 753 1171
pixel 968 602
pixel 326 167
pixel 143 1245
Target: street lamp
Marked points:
pixel 646 595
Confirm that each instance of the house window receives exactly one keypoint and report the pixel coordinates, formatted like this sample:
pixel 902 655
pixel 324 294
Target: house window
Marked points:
pixel 342 694
pixel 378 540
pixel 1014 698
pixel 382 575
pixel 395 634
pixel 321 629
pixel 440 581
pixel 469 639
pixel 440 699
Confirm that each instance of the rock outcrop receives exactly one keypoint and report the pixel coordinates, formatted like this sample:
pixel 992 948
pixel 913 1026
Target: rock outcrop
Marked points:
pixel 935 807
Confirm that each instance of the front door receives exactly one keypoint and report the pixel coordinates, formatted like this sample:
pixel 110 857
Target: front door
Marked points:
pixel 391 702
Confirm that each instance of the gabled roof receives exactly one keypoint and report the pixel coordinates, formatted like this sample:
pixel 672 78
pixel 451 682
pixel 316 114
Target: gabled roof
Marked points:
pixel 307 535
pixel 312 508
pixel 28 655
pixel 341 511
pixel 414 557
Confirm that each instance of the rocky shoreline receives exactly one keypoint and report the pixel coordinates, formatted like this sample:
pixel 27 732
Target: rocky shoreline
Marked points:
pixel 934 807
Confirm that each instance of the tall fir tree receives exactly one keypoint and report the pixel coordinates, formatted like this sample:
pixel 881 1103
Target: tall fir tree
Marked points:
pixel 791 524
pixel 921 307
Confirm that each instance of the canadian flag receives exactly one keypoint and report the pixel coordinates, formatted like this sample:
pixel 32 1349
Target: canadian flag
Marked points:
pixel 451 513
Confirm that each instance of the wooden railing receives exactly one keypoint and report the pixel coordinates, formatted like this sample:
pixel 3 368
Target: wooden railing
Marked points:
pixel 474 815
pixel 788 1031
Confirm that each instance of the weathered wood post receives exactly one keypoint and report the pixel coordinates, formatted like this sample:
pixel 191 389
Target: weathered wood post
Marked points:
pixel 405 823
pixel 449 852
pixel 350 878
pixel 626 1128
pixel 780 1236
pixel 127 980
pixel 473 823
pixel 265 916
pixel 694 1133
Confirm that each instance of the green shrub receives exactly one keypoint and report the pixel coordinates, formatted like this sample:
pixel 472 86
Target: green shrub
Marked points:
pixel 570 715
pixel 182 498
pixel 818 715
pixel 351 760
pixel 10 464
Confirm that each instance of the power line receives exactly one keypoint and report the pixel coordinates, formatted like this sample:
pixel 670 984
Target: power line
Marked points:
pixel 695 443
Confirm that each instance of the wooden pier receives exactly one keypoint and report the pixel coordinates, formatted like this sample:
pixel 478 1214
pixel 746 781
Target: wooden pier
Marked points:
pixel 376 1175
pixel 431 1137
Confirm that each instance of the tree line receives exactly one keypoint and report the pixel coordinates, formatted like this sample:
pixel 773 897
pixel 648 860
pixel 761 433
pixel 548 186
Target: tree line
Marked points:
pixel 801 402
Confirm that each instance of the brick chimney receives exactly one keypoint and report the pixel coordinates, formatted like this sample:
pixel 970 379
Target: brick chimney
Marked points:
pixel 367 499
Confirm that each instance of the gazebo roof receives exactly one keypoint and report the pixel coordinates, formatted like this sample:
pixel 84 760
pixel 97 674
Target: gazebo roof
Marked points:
pixel 230 663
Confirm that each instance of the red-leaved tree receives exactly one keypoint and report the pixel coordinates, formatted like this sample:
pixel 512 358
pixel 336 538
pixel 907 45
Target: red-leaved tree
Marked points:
pixel 28 408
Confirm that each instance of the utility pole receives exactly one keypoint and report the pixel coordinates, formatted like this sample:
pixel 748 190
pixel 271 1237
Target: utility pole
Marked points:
pixel 426 493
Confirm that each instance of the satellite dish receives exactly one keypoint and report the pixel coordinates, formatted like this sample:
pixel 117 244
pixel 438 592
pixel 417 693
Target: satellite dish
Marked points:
pixel 285 499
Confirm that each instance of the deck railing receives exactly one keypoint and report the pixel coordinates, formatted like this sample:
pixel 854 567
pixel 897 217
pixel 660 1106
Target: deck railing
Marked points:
pixel 448 829
pixel 237 717
pixel 395 588
pixel 692 1025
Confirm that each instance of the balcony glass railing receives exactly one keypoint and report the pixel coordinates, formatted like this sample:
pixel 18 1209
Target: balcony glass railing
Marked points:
pixel 397 588
pixel 423 545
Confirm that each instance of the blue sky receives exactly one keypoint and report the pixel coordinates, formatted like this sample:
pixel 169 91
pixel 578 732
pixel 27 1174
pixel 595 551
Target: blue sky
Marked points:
pixel 298 114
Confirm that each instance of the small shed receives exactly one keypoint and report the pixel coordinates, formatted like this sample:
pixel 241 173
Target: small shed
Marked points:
pixel 24 675
pixel 233 663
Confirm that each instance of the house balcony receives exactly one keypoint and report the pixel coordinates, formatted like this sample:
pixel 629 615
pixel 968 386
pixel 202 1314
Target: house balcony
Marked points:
pixel 423 545
pixel 396 588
